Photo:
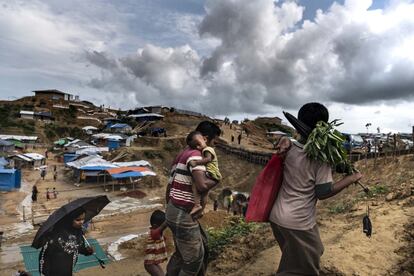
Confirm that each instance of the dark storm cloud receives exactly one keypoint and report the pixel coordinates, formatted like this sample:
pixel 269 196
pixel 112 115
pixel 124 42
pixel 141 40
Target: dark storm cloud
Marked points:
pixel 266 56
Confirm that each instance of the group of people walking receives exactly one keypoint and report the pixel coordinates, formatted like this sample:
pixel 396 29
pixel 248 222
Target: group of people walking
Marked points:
pixel 193 174
pixel 293 216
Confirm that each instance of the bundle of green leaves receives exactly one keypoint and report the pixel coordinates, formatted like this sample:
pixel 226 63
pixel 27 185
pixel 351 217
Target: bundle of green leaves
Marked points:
pixel 326 144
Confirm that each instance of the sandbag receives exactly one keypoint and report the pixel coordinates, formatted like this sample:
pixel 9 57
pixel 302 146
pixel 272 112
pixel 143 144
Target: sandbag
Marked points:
pixel 265 190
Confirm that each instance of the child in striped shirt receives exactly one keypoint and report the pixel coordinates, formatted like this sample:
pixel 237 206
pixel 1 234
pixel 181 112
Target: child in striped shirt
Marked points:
pixel 195 140
pixel 156 251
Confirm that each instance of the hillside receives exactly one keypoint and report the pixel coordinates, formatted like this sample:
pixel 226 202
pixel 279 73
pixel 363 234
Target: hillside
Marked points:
pixel 70 116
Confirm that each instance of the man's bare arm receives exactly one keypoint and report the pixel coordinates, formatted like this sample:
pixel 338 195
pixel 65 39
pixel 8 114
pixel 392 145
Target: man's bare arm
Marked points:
pixel 202 182
pixel 325 191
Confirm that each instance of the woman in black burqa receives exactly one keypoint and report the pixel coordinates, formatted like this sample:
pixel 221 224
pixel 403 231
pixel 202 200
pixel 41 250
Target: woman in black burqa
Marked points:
pixel 64 243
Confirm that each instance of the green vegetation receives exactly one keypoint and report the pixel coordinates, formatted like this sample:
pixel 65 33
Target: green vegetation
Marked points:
pixel 378 190
pixel 325 144
pixel 9 117
pixel 219 238
pixel 341 207
pixel 66 115
pixel 54 131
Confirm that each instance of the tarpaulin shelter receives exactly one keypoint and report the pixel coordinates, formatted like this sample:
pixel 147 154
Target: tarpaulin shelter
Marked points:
pixel 28 160
pixel 127 172
pixel 3 162
pixel 123 128
pixel 69 157
pixel 6 146
pixel 92 150
pixel 146 117
pixel 31 258
pixel 10 179
pixel 113 144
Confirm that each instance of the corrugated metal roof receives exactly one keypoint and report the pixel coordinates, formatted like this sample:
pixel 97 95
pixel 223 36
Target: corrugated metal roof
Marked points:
pixel 90 128
pixel 18 137
pixel 34 156
pixel 21 156
pixel 26 112
pixel 140 163
pixel 31 258
pixel 146 115
pixel 85 160
pixel 120 126
pixel 6 143
pixel 92 150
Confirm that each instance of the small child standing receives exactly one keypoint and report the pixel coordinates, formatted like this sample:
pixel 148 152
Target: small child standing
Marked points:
pixel 195 140
pixel 156 252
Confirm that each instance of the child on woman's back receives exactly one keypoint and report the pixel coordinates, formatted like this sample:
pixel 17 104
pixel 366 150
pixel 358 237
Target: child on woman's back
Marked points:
pixel 156 252
pixel 195 140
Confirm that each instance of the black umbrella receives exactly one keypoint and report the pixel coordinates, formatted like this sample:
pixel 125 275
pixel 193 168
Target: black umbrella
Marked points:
pixel 91 205
pixel 300 126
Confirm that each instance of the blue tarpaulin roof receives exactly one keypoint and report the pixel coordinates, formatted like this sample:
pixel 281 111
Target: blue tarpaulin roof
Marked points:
pixel 127 175
pixel 31 258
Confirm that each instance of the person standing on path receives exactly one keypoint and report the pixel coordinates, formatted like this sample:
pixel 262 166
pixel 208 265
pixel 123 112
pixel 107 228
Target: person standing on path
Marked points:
pixel 54 176
pixel 215 205
pixel 293 216
pixel 35 191
pixel 188 235
pixel 47 194
pixel 43 173
pixel 239 138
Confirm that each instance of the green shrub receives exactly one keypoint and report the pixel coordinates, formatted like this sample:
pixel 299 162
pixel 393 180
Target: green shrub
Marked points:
pixel 378 190
pixel 219 238
pixel 340 207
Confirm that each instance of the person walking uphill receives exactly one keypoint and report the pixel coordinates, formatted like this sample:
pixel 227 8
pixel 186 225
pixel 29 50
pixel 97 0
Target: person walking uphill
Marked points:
pixel 293 216
pixel 188 258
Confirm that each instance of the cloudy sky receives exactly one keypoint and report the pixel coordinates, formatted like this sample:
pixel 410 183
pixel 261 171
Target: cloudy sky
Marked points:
pixel 239 58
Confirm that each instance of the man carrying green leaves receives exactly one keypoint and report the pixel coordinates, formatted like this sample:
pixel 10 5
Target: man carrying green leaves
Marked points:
pixel 293 216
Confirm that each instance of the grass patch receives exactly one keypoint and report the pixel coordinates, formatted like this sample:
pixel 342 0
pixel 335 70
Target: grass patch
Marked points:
pixel 341 207
pixel 219 238
pixel 378 190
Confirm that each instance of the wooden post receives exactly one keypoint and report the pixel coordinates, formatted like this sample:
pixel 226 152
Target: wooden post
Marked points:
pixel 32 216
pixel 412 149
pixel 395 147
pixel 376 152
pixel 24 214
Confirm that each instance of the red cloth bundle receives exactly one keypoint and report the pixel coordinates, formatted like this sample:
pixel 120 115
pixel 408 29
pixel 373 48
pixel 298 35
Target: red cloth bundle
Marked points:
pixel 265 190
